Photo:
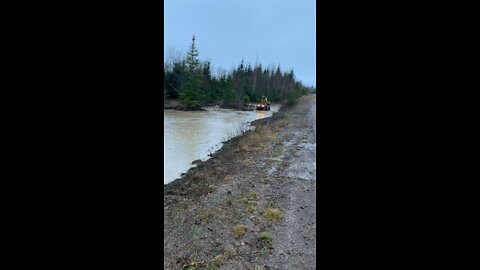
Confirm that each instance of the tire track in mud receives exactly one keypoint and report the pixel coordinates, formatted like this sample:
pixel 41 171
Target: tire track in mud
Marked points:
pixel 296 236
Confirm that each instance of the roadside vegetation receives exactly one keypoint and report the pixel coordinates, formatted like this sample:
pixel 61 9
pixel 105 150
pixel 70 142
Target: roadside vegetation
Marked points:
pixel 190 84
pixel 273 214
pixel 256 140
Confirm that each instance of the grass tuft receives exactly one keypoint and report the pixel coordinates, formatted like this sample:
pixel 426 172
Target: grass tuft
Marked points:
pixel 265 237
pixel 218 260
pixel 265 181
pixel 273 214
pixel 254 196
pixel 230 252
pixel 239 230
pixel 251 207
pixel 205 216
pixel 243 200
pixel 278 151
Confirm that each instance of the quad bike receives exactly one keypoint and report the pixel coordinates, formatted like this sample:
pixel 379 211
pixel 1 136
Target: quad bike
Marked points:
pixel 263 107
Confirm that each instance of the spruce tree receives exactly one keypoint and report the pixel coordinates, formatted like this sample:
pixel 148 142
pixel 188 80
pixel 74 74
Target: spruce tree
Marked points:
pixel 192 61
pixel 190 95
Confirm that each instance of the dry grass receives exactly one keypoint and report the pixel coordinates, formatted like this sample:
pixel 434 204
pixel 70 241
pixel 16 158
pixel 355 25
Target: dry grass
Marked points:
pixel 279 124
pixel 273 214
pixel 243 200
pixel 230 252
pixel 278 151
pixel 251 207
pixel 205 216
pixel 254 196
pixel 256 140
pixel 239 230
pixel 246 162
pixel 218 260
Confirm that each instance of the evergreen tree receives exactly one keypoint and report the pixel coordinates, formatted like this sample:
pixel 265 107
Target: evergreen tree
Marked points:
pixel 192 61
pixel 190 95
pixel 207 90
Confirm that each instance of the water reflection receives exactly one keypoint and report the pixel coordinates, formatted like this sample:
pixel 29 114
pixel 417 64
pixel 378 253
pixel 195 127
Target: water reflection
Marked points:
pixel 189 136
pixel 261 114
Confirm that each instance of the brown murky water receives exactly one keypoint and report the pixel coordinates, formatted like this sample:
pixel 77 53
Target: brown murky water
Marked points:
pixel 190 136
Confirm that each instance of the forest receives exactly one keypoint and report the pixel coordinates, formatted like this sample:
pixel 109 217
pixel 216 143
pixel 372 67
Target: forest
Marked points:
pixel 191 82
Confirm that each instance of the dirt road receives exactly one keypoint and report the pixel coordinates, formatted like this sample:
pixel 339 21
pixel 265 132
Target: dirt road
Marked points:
pixel 253 204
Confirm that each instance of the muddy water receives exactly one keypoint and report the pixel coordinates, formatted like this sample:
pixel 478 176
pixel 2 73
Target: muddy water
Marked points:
pixel 190 136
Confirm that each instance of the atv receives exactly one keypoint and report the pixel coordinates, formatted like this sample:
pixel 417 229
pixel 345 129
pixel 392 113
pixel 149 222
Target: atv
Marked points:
pixel 263 107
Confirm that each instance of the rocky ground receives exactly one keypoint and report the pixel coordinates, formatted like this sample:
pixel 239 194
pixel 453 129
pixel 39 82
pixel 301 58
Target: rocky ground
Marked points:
pixel 253 204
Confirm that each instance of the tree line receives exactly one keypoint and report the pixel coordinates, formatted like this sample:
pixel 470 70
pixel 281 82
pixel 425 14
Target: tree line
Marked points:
pixel 191 82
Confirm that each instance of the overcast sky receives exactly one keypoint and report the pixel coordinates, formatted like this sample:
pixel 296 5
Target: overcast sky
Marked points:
pixel 272 31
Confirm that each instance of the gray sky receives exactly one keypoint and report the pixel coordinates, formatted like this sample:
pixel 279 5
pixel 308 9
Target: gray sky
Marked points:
pixel 272 31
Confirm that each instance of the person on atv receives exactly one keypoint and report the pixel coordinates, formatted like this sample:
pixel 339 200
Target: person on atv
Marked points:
pixel 264 101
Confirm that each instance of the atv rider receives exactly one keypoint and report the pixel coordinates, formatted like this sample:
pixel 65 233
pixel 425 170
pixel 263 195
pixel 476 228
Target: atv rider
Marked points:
pixel 264 101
